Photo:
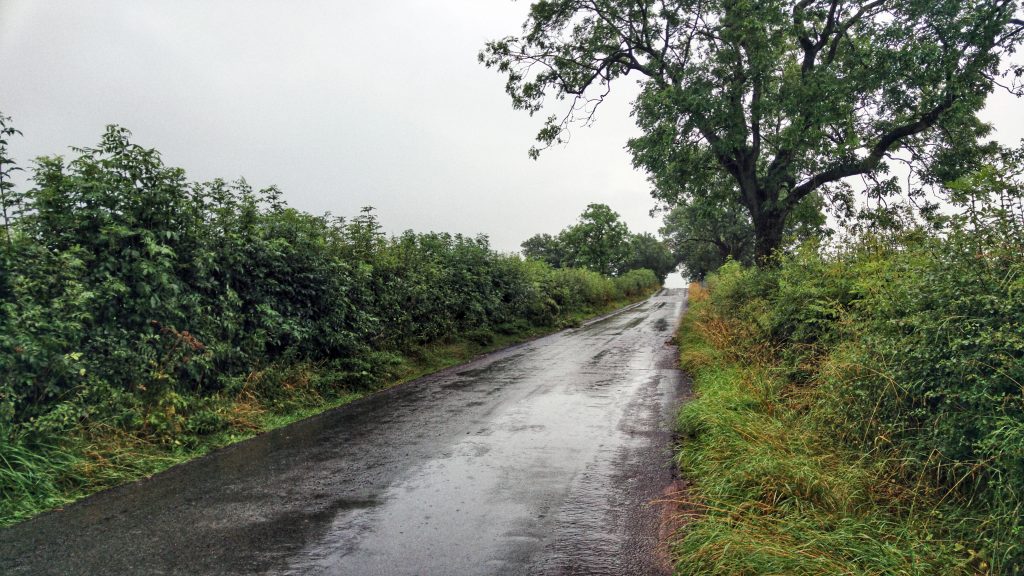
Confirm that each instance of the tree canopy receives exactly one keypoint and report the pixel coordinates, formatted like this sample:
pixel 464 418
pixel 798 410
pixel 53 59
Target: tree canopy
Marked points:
pixel 783 98
pixel 601 242
pixel 707 231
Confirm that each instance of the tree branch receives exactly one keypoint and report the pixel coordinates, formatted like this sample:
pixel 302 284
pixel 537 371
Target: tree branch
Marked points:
pixel 878 151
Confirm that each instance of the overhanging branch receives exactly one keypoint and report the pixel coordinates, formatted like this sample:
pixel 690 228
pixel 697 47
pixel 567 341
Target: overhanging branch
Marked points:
pixel 885 143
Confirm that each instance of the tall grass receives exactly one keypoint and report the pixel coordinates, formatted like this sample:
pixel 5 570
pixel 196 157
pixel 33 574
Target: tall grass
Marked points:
pixel 902 354
pixel 777 494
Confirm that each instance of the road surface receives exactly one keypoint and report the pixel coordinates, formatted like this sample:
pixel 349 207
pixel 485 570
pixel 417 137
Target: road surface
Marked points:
pixel 544 458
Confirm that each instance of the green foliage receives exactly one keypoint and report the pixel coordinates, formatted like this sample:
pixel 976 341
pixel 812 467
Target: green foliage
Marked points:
pixel 953 310
pixel 648 253
pixel 9 200
pixel 773 494
pixel 903 353
pixel 545 248
pixel 599 241
pixel 636 282
pixel 779 99
pixel 706 231
pixel 161 316
pixel 602 243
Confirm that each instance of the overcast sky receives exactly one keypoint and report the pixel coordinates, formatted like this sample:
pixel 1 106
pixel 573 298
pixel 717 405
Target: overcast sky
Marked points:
pixel 343 104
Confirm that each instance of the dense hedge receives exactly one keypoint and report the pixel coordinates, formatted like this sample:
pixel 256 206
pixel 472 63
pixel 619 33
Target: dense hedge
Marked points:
pixel 909 351
pixel 131 295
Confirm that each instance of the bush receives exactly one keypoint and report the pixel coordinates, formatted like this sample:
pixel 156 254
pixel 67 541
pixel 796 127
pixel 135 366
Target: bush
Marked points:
pixel 910 350
pixel 137 302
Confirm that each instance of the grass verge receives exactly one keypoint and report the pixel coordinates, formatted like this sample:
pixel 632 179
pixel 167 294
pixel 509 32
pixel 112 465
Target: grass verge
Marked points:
pixel 777 494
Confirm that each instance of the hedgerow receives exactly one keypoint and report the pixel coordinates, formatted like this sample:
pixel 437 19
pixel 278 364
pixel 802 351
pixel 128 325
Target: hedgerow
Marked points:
pixel 866 402
pixel 148 314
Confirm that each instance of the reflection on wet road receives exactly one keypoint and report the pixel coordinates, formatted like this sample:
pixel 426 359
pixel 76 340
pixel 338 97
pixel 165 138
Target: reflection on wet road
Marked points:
pixel 543 458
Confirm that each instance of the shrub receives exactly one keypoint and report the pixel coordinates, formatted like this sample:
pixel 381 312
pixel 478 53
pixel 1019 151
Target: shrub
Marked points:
pixel 136 302
pixel 910 350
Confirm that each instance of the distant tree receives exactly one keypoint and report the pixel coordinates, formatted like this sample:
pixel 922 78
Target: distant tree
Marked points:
pixel 703 231
pixel 599 241
pixel 648 252
pixel 546 248
pixel 703 234
pixel 783 98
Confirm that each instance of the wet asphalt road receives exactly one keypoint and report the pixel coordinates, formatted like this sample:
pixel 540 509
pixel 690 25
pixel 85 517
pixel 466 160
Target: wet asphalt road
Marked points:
pixel 543 458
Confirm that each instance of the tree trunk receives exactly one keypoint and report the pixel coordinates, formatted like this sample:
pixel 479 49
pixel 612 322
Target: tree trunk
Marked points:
pixel 768 230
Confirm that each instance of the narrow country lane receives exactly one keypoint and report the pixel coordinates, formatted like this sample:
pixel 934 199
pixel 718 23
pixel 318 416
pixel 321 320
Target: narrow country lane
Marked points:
pixel 543 458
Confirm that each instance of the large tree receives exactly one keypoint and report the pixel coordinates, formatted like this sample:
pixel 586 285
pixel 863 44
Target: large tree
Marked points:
pixel 783 97
pixel 599 241
pixel 602 242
